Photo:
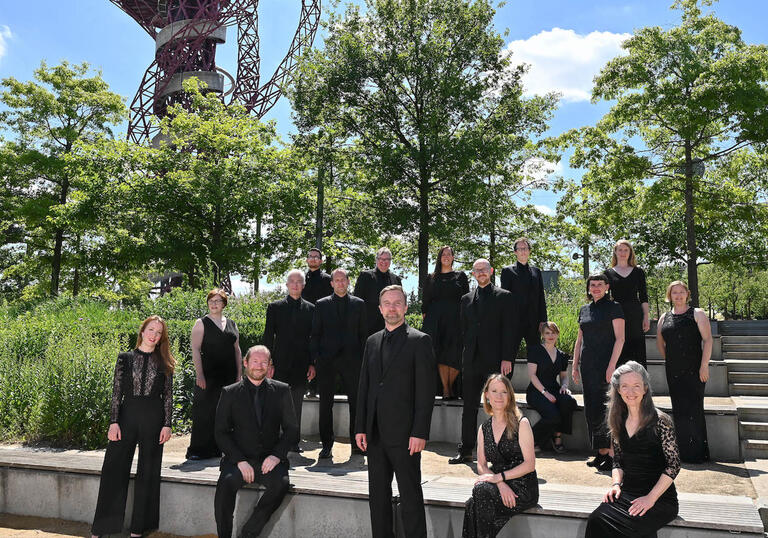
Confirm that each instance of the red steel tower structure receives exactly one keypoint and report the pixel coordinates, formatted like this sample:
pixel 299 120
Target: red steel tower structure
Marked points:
pixel 186 33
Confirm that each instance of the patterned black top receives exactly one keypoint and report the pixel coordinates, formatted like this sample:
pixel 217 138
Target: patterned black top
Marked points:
pixel 649 453
pixel 508 455
pixel 141 374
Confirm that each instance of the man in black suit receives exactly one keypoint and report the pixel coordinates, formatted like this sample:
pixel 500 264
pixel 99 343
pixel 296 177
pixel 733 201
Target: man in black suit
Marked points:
pixel 339 331
pixel 369 285
pixel 286 333
pixel 526 285
pixel 394 413
pixel 255 428
pixel 318 282
pixel 487 316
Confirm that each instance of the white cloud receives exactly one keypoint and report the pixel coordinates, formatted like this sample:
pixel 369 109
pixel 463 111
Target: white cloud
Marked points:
pixel 5 34
pixel 564 61
pixel 545 209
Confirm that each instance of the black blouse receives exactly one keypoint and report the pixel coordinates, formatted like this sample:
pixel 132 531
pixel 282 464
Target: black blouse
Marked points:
pixel 141 374
pixel 547 370
pixel 448 287
pixel 596 324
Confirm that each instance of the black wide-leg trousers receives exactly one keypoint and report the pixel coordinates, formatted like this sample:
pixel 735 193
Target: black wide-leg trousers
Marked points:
pixel 141 419
pixel 231 480
pixel 202 442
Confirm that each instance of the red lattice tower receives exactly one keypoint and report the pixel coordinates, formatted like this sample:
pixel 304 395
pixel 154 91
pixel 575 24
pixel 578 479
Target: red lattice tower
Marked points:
pixel 186 33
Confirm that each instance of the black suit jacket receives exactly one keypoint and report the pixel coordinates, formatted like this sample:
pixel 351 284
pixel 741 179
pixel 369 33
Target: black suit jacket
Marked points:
pixel 400 397
pixel 488 339
pixel 368 289
pixel 237 430
pixel 332 336
pixel 289 340
pixel 526 292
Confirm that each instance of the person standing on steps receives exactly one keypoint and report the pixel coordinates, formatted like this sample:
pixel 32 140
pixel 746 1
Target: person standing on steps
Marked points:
pixel 215 343
pixel 395 400
pixel 369 285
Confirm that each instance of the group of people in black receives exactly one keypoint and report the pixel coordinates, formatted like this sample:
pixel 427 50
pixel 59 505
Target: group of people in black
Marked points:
pixel 248 409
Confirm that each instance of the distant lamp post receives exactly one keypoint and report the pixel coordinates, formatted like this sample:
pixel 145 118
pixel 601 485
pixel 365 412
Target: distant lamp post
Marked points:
pixel 585 258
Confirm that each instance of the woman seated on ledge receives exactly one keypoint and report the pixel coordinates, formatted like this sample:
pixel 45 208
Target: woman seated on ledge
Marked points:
pixel 642 498
pixel 505 441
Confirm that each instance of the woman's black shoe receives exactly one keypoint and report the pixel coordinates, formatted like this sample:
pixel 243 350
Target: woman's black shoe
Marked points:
pixel 598 460
pixel 606 464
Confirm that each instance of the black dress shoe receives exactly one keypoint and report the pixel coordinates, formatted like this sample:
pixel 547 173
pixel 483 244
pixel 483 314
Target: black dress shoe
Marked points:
pixel 194 457
pixel 460 458
pixel 325 453
pixel 606 464
pixel 297 449
pixel 597 460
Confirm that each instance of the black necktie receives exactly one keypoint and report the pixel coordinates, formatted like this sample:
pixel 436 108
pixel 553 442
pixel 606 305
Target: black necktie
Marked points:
pixel 257 404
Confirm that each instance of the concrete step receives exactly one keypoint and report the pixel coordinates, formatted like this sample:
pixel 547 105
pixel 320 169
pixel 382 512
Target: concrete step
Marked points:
pixel 753 413
pixel 748 389
pixel 746 365
pixel 751 355
pixel 753 430
pixel 754 448
pixel 745 347
pixel 748 377
pixel 744 339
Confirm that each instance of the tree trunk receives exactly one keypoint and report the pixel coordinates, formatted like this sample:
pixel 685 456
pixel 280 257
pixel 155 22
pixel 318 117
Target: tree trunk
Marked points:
pixel 58 244
pixel 257 261
pixel 319 211
pixel 492 252
pixel 585 259
pixel 76 276
pixel 690 229
pixel 423 228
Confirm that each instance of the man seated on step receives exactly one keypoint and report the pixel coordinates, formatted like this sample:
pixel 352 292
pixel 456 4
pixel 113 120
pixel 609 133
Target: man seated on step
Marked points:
pixel 255 428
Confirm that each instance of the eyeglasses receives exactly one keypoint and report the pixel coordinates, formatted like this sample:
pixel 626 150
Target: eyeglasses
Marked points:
pixel 314 257
pixel 385 259
pixel 215 301
pixel 524 249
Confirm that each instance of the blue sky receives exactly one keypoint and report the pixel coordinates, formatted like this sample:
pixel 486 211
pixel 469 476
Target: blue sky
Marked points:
pixel 565 42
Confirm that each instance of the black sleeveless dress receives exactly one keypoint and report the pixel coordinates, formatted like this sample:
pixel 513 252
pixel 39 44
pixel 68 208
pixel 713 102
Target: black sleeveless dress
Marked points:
pixel 644 457
pixel 485 514
pixel 217 353
pixel 682 342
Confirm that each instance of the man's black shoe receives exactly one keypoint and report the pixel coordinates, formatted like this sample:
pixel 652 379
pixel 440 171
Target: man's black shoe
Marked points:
pixel 460 458
pixel 297 449
pixel 325 453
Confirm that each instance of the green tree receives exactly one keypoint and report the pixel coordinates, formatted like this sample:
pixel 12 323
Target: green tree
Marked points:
pixel 47 117
pixel 690 95
pixel 422 93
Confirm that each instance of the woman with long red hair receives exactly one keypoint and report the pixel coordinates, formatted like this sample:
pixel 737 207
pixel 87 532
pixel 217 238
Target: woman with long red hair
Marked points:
pixel 141 414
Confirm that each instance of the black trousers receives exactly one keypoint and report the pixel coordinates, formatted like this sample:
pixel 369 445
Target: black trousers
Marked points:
pixel 475 374
pixel 141 419
pixel 231 480
pixel 327 370
pixel 555 417
pixel 595 404
pixel 297 395
pixel 529 333
pixel 383 462
pixel 202 442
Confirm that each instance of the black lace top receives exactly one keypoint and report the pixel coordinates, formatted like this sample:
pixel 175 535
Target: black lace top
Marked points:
pixel 649 453
pixel 507 455
pixel 141 374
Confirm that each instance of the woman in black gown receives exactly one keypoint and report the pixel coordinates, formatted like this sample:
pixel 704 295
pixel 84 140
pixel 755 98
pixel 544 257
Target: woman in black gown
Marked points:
pixel 629 289
pixel 141 413
pixel 440 307
pixel 215 343
pixel 545 394
pixel 509 485
pixel 595 355
pixel 684 339
pixel 642 498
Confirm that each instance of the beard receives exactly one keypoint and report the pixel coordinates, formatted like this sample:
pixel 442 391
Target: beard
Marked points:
pixel 256 374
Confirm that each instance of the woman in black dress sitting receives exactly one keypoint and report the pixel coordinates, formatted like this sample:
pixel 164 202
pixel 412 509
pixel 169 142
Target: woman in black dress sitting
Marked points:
pixel 629 289
pixel 440 306
pixel 509 485
pixel 141 413
pixel 642 498
pixel 551 399
pixel 684 339
pixel 215 343
pixel 597 350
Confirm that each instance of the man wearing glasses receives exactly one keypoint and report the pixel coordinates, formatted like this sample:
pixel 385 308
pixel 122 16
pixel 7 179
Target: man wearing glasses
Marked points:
pixel 317 282
pixel 487 314
pixel 369 285
pixel 526 285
